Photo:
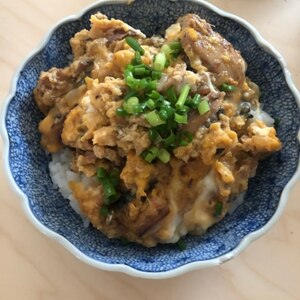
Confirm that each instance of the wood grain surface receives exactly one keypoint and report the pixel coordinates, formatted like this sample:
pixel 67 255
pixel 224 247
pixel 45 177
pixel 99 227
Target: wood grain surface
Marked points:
pixel 35 267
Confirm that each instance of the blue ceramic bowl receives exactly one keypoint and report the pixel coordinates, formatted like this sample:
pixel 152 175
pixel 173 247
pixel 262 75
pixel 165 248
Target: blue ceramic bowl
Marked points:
pixel 27 163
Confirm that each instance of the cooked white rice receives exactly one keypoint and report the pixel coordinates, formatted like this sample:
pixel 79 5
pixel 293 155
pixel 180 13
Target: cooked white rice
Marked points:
pixel 61 175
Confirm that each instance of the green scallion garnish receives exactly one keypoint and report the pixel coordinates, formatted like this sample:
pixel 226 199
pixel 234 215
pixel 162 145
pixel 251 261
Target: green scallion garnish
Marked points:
pixel 154 94
pixel 110 193
pixel 153 134
pixel 176 48
pixel 134 44
pixel 170 141
pixel 183 96
pixel 171 95
pixel 181 245
pixel 140 71
pixel 227 87
pixel 130 94
pixel 151 104
pixel 156 74
pixel 196 100
pixel 172 50
pixel 181 118
pixel 166 112
pixel 203 107
pixel 163 114
pixel 121 112
pixel 159 62
pixel 163 156
pixel 153 118
pixel 150 154
pixel 137 60
pixel 131 104
pixel 101 173
pixel 218 208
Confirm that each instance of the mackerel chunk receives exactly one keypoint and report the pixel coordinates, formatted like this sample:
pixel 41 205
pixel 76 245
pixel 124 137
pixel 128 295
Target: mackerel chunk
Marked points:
pixel 205 47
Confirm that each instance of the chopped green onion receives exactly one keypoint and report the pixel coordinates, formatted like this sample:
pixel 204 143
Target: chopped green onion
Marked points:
pixel 184 138
pixel 129 95
pixel 140 66
pixel 134 44
pixel 181 245
pixel 153 118
pixel 166 103
pixel 166 112
pixel 176 49
pixel 101 173
pixel 203 107
pixel 137 58
pixel 110 193
pixel 163 114
pixel 172 125
pixel 176 45
pixel 121 112
pixel 151 85
pixel 161 101
pixel 183 96
pixel 227 87
pixel 154 94
pixel 163 130
pixel 151 104
pixel 168 62
pixel 131 104
pixel 138 84
pixel 185 109
pixel 172 50
pixel 153 135
pixel 181 119
pixel 129 67
pixel 170 140
pixel 104 211
pixel 171 95
pixel 163 156
pixel 159 62
pixel 140 71
pixel 156 74
pixel 166 50
pixel 137 110
pixel 196 100
pixel 128 73
pixel 150 154
pixel 142 107
pixel 189 102
pixel 218 208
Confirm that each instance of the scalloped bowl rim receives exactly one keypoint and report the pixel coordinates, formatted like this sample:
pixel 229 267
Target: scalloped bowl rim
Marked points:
pixel 122 267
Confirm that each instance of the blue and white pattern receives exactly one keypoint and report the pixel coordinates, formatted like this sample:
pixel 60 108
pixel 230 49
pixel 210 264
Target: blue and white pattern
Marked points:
pixel 29 163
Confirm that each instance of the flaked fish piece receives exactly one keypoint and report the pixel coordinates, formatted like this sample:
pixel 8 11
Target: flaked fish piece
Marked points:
pixel 207 48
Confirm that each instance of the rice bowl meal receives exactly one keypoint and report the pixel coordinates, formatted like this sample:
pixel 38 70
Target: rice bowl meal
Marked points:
pixel 153 138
